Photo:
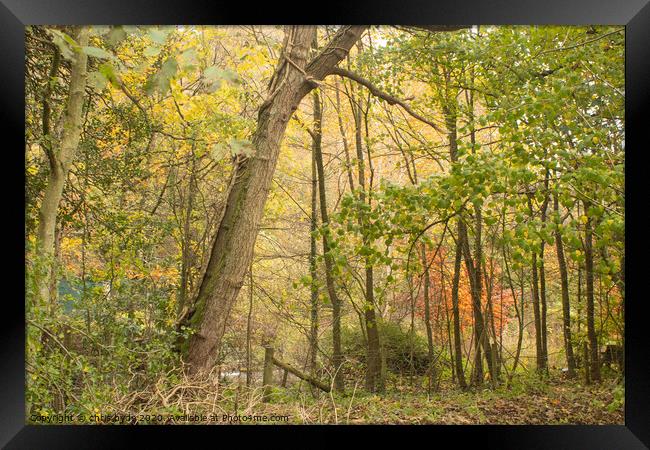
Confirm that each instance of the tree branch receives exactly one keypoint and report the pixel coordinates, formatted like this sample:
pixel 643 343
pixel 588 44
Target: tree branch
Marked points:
pixel 374 90
pixel 432 28
pixel 337 49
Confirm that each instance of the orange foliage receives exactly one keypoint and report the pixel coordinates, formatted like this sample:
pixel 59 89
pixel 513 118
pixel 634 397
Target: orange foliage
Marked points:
pixel 440 299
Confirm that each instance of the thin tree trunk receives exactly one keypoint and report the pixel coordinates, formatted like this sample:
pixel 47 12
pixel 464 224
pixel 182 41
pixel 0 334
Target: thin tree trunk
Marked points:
pixel 542 278
pixel 249 321
pixel 478 252
pixel 186 249
pixel 450 120
pixel 448 319
pixel 539 351
pixel 313 332
pixel 346 146
pixel 374 379
pixel 542 299
pixel 427 310
pixel 589 272
pixel 337 355
pixel 458 349
pixel 566 305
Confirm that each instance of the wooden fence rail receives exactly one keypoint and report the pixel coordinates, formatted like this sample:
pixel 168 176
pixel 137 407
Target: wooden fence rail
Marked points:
pixel 267 381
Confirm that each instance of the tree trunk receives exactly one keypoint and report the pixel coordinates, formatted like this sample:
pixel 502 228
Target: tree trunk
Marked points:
pixel 313 331
pixel 427 311
pixel 186 243
pixel 60 160
pixel 337 355
pixel 566 305
pixel 458 349
pixel 249 321
pixel 450 121
pixel 542 300
pixel 594 364
pixel 374 379
pixel 542 279
pixel 233 246
pixel 539 351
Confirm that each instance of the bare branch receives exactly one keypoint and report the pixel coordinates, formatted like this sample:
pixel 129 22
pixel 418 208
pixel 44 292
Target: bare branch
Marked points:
pixel 374 90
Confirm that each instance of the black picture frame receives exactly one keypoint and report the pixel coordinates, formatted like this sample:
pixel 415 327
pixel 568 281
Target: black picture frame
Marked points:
pixel 634 14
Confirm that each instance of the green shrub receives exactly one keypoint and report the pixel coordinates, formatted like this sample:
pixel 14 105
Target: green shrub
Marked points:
pixel 396 347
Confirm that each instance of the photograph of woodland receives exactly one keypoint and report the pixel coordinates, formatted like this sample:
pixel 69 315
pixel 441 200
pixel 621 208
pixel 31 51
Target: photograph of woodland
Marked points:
pixel 324 224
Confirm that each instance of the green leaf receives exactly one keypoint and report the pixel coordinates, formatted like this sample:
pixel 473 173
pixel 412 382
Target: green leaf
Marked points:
pixel 215 74
pixel 218 151
pixel 97 80
pixel 101 30
pixel 116 35
pixel 188 58
pixel 152 50
pixel 157 35
pixel 241 147
pixel 212 73
pixel 109 73
pixel 62 41
pixel 169 67
pixel 161 80
pixel 97 52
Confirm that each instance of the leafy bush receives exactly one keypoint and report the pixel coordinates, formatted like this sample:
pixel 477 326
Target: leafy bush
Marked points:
pixel 396 347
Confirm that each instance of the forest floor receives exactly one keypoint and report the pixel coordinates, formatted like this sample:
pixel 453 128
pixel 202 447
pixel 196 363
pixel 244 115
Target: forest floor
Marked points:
pixel 527 402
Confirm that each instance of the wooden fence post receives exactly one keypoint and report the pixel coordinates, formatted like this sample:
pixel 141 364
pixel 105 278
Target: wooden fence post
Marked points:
pixel 267 379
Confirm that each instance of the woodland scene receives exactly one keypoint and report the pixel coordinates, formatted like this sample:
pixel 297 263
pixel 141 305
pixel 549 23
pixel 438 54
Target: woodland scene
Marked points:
pixel 325 224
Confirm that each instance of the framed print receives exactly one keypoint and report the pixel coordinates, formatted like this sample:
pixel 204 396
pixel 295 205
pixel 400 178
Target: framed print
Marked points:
pixel 425 220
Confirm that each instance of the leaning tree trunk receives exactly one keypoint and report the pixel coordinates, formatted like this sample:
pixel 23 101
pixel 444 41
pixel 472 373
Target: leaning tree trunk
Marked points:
pixel 233 246
pixel 60 160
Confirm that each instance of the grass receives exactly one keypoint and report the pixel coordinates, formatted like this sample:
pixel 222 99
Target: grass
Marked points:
pixel 528 400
